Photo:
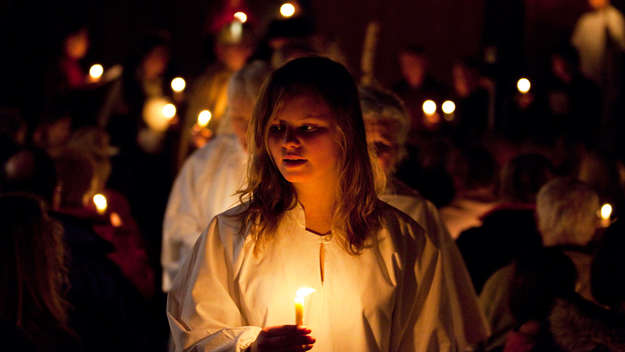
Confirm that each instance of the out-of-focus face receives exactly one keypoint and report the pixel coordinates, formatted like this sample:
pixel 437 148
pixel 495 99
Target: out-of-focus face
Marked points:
pixel 240 112
pixel 155 62
pixel 303 142
pixel 76 45
pixel 234 56
pixel 413 68
pixel 560 68
pixel 383 139
pixel 598 4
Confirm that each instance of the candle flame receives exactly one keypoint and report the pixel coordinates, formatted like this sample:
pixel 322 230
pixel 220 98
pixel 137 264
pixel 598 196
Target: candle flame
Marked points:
pixel 429 107
pixel 169 111
pixel 241 16
pixel 178 84
pixel 524 85
pixel 100 203
pixel 96 71
pixel 449 107
pixel 203 118
pixel 302 293
pixel 287 10
pixel 606 211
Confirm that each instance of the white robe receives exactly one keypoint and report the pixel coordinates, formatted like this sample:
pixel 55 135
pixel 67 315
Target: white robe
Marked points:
pixel 394 296
pixel 589 37
pixel 204 188
pixel 470 317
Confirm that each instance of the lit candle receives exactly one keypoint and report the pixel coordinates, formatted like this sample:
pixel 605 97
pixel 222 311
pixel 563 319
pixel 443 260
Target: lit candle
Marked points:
pixel 100 203
pixel 95 72
pixel 203 118
pixel 605 213
pixel 287 10
pixel 429 107
pixel 169 111
pixel 523 85
pixel 240 16
pixel 299 303
pixel 449 107
pixel 178 84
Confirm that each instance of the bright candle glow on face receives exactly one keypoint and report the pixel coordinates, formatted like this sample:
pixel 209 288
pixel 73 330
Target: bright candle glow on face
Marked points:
pixel 100 203
pixel 203 118
pixel 606 211
pixel 241 16
pixel 169 111
pixel 429 107
pixel 96 71
pixel 524 85
pixel 449 107
pixel 178 84
pixel 287 10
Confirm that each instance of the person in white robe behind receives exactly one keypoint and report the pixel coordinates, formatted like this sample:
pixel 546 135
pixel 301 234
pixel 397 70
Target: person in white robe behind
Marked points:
pixel 387 125
pixel 312 219
pixel 210 177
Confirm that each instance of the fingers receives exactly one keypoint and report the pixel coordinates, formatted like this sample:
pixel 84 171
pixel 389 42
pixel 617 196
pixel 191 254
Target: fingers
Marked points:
pixel 285 338
pixel 285 330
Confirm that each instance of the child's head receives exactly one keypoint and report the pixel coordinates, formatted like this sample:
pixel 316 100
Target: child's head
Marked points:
pixel 307 128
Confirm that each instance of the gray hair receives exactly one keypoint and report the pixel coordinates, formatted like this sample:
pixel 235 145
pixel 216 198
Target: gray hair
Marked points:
pixel 566 210
pixel 383 107
pixel 243 87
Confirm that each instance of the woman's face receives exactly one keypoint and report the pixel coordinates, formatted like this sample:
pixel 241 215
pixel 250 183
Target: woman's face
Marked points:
pixel 303 142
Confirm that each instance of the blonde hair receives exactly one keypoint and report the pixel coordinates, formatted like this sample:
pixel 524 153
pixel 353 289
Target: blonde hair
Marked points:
pixel 356 217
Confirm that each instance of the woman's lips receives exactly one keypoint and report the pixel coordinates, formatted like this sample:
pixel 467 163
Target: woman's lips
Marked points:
pixel 293 162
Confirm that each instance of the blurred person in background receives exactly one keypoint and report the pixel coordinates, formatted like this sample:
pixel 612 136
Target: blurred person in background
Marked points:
pixel 34 310
pixel 416 86
pixel 233 46
pixel 509 228
pixel 387 122
pixel 578 324
pixel 210 177
pixel 475 172
pixel 13 132
pixel 566 214
pixel 574 100
pixel 472 101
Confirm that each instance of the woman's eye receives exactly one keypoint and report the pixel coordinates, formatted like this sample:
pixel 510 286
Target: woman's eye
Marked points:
pixel 308 128
pixel 276 129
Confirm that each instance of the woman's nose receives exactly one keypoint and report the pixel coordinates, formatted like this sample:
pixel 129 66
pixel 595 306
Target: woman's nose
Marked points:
pixel 290 137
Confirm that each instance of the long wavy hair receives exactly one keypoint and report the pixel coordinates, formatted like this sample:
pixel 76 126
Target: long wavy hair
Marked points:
pixel 33 274
pixel 269 195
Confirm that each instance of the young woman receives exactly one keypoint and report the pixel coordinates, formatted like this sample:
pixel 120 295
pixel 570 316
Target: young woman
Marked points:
pixel 311 218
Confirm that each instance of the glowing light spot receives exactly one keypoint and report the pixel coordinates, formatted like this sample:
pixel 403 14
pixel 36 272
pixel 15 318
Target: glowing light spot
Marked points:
pixel 429 107
pixel 606 211
pixel 178 84
pixel 287 10
pixel 203 118
pixel 449 107
pixel 523 85
pixel 101 204
pixel 116 220
pixel 241 16
pixel 302 293
pixel 96 71
pixel 169 111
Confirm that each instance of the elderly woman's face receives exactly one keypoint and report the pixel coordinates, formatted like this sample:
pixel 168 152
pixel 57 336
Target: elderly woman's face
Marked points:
pixel 383 139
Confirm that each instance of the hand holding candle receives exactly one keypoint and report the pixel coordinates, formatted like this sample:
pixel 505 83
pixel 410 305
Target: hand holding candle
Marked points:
pixel 283 338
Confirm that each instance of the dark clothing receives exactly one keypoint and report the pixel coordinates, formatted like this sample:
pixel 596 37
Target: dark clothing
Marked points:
pixel 106 309
pixel 506 232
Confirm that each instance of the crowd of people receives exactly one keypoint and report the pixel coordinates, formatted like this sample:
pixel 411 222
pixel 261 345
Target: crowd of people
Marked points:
pixel 477 216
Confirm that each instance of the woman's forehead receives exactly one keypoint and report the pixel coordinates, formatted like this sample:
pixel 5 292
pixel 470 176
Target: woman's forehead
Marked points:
pixel 302 106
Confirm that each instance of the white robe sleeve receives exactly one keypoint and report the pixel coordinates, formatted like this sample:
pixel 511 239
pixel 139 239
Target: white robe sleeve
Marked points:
pixel 423 315
pixel 202 306
pixel 182 223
